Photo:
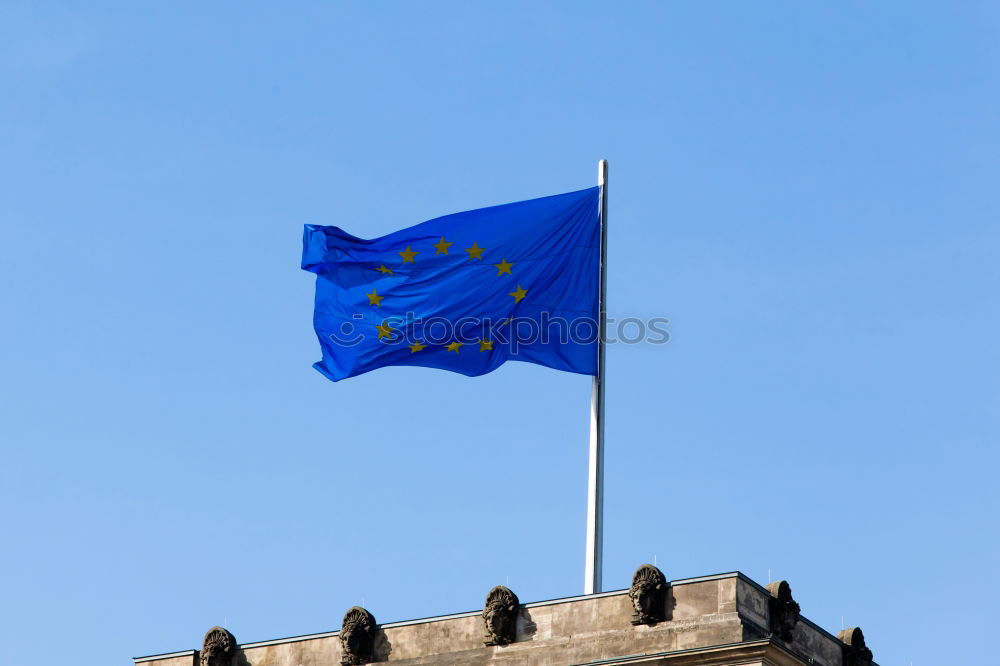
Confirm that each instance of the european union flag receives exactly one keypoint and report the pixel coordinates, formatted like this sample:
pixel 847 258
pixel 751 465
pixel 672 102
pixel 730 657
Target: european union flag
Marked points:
pixel 464 292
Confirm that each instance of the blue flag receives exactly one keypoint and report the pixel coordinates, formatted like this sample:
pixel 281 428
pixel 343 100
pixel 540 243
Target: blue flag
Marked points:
pixel 464 292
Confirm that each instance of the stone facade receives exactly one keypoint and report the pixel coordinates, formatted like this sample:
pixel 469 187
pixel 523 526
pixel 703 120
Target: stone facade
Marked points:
pixel 723 619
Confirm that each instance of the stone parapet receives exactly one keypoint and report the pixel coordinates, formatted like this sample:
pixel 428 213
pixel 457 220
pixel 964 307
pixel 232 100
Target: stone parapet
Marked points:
pixel 722 619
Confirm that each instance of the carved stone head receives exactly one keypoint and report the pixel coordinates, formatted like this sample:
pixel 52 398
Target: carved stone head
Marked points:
pixel 856 653
pixel 218 648
pixel 649 595
pixel 784 610
pixel 500 616
pixel 357 637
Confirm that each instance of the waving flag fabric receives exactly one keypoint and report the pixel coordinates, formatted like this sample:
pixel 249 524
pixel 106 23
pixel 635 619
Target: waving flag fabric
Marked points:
pixel 465 292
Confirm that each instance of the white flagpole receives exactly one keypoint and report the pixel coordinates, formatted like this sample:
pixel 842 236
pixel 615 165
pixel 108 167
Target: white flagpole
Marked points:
pixel 595 478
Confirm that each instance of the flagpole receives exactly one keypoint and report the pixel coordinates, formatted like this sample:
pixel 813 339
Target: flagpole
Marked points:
pixel 595 477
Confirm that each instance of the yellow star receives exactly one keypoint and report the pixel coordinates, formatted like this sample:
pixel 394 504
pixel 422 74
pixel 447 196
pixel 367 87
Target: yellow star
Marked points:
pixel 454 346
pixel 416 346
pixel 383 270
pixel 374 298
pixel 485 345
pixel 519 294
pixel 475 252
pixel 442 246
pixel 384 330
pixel 408 255
pixel 503 267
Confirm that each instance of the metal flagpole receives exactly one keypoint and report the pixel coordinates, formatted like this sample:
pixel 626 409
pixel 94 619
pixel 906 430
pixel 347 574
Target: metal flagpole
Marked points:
pixel 595 478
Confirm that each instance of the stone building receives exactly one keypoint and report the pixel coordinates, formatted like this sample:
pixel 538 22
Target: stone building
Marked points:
pixel 720 620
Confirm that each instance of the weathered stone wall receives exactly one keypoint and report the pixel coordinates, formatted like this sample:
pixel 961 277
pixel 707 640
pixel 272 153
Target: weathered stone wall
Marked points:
pixel 188 658
pixel 715 615
pixel 807 640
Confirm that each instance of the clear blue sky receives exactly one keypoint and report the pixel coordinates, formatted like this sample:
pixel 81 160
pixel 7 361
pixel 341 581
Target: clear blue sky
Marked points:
pixel 808 192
